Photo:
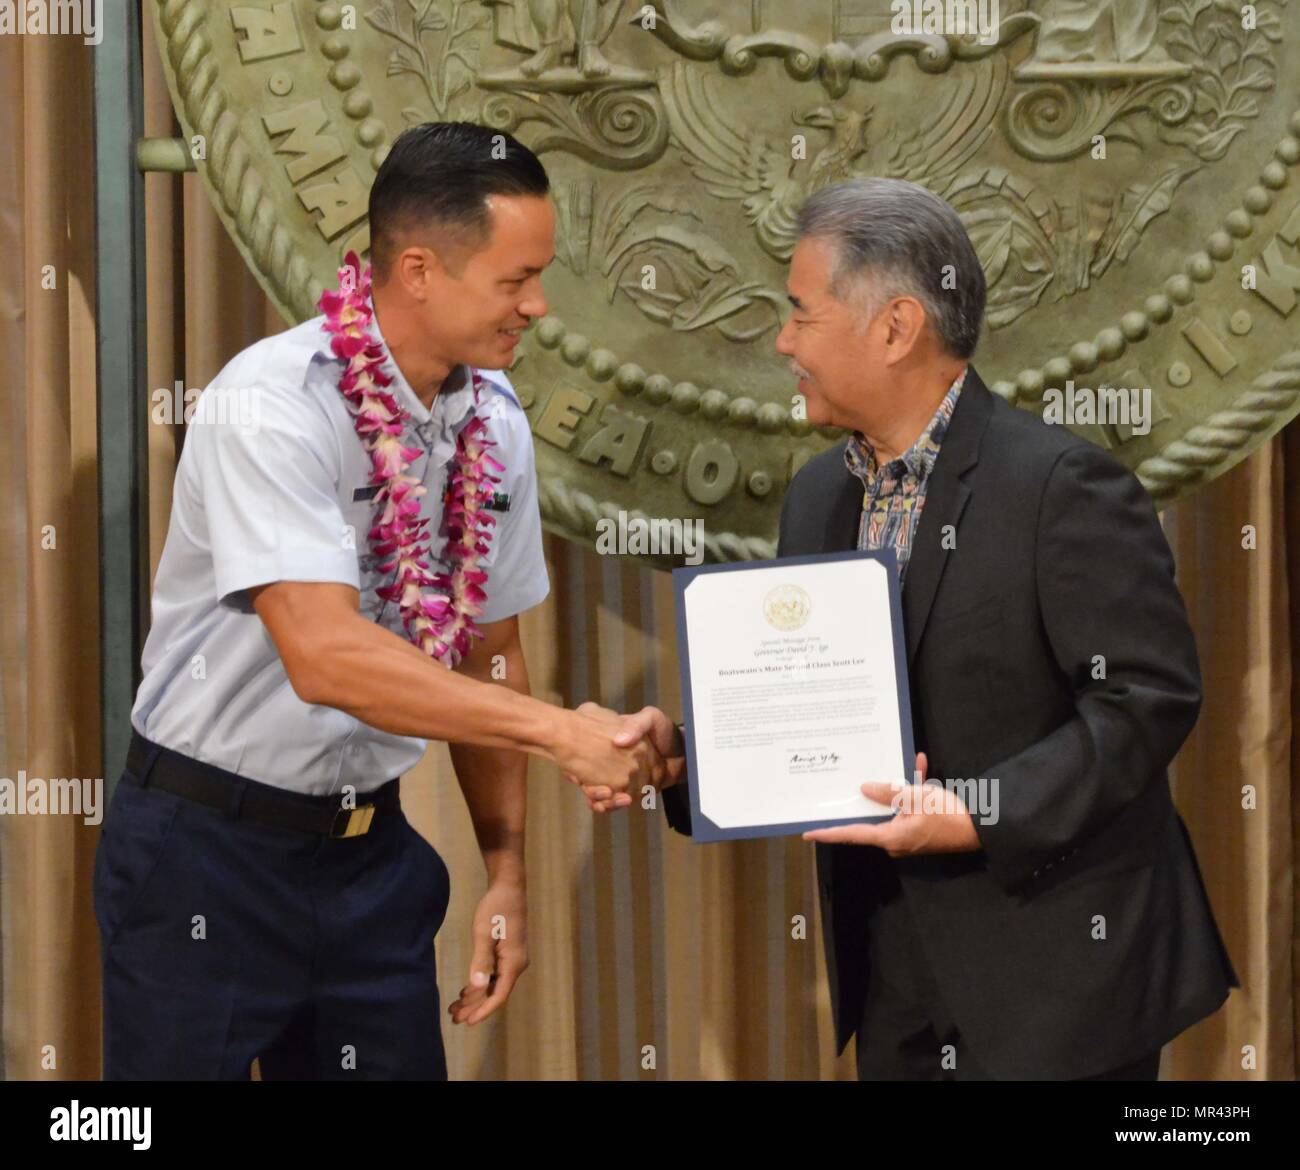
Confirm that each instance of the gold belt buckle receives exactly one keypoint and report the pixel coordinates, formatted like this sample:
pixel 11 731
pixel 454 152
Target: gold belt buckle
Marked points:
pixel 355 822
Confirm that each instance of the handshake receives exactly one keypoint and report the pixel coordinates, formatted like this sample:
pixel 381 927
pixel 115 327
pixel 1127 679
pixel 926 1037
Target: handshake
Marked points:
pixel 614 757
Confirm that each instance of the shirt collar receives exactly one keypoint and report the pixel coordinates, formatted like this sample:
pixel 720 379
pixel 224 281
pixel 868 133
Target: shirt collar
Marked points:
pixel 455 398
pixel 920 457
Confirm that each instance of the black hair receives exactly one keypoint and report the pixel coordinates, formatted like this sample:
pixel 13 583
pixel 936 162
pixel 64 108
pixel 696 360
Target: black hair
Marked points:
pixel 441 174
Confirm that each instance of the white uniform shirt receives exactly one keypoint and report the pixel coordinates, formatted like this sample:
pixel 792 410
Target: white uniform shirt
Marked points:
pixel 272 485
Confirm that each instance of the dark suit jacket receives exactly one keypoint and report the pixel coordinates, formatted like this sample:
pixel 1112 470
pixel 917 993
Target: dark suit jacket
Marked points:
pixel 1058 559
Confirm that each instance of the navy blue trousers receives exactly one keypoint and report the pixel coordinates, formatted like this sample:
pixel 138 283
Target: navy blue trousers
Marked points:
pixel 223 941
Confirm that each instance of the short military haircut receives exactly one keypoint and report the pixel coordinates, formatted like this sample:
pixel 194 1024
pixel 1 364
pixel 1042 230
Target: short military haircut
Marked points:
pixel 437 178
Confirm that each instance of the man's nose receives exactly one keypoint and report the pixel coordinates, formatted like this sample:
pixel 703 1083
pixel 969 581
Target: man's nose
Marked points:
pixel 534 307
pixel 783 345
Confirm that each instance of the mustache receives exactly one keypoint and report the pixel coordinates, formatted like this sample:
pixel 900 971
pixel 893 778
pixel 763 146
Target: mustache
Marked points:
pixel 798 371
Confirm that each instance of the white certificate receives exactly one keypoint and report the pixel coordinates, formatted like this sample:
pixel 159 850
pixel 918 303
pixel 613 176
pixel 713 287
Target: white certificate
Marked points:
pixel 794 684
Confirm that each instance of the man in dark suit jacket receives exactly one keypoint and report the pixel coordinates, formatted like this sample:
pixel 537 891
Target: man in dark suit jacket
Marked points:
pixel 1049 655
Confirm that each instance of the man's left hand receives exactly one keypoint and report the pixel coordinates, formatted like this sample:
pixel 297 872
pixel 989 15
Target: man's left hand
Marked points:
pixel 929 819
pixel 500 952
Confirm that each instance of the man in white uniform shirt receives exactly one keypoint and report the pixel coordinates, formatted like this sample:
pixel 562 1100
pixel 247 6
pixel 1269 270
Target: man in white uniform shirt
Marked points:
pixel 258 891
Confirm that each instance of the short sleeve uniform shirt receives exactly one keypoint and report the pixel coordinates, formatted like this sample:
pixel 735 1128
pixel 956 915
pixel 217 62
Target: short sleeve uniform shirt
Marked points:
pixel 273 485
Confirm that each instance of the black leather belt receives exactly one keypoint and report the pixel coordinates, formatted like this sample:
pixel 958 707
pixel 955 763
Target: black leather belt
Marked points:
pixel 153 766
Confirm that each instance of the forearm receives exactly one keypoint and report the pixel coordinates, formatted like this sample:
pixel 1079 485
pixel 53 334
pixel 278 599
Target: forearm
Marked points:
pixel 1059 792
pixel 494 782
pixel 361 668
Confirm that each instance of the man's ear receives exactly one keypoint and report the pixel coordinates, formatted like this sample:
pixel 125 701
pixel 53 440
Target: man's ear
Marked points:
pixel 415 268
pixel 904 323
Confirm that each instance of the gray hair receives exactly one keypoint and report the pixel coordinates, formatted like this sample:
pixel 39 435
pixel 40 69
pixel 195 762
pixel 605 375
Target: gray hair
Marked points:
pixel 905 241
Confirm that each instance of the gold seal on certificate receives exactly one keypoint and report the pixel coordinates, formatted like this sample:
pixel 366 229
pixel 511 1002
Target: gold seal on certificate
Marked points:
pixel 794 683
pixel 787 607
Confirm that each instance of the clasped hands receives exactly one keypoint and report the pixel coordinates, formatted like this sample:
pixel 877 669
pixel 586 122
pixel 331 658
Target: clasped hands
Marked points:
pixel 644 749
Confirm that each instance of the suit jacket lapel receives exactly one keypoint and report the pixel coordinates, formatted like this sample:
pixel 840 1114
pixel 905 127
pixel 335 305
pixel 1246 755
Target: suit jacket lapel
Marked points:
pixel 945 500
pixel 843 516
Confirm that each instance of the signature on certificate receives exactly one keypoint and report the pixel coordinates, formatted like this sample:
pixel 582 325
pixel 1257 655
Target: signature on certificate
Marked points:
pixel 814 761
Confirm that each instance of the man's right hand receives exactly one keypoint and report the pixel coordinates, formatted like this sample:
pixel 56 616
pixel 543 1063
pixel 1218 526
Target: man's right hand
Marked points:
pixel 606 770
pixel 649 726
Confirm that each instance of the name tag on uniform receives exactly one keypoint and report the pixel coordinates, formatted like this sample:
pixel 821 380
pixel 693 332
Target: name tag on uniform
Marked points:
pixel 364 493
pixel 500 501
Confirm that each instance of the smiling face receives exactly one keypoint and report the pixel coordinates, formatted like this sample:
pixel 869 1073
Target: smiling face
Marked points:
pixel 479 301
pixel 838 363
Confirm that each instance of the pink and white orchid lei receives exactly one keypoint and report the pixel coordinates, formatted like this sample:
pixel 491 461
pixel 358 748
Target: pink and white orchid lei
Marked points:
pixel 437 609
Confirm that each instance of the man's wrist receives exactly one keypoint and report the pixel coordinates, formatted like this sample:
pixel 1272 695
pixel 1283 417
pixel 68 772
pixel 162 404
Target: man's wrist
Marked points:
pixel 505 866
pixel 543 729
